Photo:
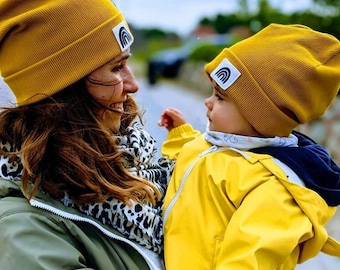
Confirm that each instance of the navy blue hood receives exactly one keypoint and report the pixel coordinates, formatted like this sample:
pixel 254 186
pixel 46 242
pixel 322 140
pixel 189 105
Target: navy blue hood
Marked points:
pixel 312 163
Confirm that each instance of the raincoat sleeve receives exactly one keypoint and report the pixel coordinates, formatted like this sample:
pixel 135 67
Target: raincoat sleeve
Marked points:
pixel 267 227
pixel 177 137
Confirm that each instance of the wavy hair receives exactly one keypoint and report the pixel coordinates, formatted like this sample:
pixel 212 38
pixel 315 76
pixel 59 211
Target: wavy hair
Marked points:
pixel 65 148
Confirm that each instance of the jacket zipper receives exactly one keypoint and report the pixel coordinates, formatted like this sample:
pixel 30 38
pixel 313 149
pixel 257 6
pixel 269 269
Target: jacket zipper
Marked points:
pixel 74 217
pixel 212 149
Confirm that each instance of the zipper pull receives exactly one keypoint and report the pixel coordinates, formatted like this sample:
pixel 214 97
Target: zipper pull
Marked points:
pixel 210 150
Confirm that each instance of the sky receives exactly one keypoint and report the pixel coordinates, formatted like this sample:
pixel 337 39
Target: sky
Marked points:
pixel 181 16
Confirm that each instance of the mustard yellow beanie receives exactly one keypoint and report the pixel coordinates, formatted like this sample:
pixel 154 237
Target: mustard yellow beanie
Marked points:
pixel 46 45
pixel 282 76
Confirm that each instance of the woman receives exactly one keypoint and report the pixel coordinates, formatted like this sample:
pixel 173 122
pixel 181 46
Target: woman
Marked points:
pixel 79 187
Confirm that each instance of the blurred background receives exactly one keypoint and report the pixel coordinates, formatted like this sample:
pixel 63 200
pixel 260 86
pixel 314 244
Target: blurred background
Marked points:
pixel 171 33
pixel 174 39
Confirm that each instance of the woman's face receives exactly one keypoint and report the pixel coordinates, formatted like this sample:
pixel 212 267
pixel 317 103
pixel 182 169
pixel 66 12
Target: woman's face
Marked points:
pixel 110 85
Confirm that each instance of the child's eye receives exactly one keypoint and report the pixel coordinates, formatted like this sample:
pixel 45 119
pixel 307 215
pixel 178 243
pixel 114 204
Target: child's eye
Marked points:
pixel 218 97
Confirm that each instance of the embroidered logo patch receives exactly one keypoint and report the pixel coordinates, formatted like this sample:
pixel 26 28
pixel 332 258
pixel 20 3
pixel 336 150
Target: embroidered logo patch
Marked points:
pixel 123 36
pixel 225 74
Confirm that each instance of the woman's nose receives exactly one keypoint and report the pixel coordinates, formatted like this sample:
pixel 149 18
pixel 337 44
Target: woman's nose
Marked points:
pixel 130 82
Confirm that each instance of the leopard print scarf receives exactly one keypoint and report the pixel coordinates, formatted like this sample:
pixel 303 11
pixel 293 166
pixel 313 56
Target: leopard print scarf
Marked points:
pixel 141 223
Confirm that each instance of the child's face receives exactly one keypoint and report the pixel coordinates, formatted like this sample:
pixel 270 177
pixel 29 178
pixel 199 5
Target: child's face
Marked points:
pixel 224 116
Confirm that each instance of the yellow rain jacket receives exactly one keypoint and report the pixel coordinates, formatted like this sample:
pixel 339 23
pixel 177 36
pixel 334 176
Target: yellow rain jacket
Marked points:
pixel 229 209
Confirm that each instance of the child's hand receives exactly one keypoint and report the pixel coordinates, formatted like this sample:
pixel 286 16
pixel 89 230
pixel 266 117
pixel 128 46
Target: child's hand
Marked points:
pixel 171 118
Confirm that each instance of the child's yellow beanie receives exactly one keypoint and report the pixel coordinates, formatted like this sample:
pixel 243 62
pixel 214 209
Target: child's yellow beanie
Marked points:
pixel 282 76
pixel 46 45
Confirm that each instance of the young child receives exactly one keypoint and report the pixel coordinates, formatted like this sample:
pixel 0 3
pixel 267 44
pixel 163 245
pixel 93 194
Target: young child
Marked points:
pixel 251 193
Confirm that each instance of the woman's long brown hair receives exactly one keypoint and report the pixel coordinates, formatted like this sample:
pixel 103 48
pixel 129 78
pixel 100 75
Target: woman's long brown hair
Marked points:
pixel 64 148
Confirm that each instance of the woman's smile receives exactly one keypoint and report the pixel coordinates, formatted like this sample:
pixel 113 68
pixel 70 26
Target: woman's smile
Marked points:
pixel 117 107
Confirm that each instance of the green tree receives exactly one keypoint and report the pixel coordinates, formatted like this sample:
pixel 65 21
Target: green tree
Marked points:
pixel 332 3
pixel 323 16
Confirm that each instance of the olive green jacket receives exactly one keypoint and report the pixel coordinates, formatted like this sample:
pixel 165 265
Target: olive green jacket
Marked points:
pixel 44 234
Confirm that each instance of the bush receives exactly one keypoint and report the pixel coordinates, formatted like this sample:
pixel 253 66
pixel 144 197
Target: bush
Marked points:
pixel 208 51
pixel 205 53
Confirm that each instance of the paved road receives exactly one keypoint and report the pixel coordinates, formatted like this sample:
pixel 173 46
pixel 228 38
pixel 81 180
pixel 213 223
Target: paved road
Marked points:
pixel 165 94
pixel 156 99
pixel 5 95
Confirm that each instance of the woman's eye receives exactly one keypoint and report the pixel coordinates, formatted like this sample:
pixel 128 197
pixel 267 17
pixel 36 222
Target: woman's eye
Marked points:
pixel 117 68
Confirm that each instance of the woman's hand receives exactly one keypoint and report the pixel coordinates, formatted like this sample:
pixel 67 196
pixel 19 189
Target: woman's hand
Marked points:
pixel 171 118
